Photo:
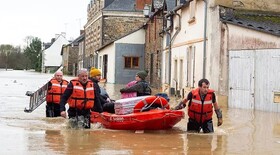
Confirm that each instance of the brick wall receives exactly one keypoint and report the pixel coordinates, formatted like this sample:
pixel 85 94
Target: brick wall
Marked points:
pixel 153 55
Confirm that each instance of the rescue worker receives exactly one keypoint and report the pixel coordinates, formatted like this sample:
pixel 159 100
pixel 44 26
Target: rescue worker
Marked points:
pixel 200 108
pixel 107 105
pixel 56 87
pixel 81 97
pixel 141 86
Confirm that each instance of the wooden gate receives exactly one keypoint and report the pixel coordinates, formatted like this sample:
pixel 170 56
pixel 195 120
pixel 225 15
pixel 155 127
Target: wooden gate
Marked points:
pixel 241 79
pixel 254 79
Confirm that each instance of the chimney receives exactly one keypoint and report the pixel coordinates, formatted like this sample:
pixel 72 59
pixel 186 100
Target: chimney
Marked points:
pixel 63 34
pixel 139 4
pixel 53 39
pixel 56 36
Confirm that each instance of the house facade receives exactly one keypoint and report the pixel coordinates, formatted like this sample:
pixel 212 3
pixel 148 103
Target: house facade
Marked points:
pixel 69 54
pixel 81 53
pixel 120 60
pixel 153 47
pixel 107 21
pixel 193 40
pixel 250 42
pixel 202 39
pixel 51 56
pixel 183 48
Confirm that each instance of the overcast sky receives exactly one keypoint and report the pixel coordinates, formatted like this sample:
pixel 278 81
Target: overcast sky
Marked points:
pixel 40 18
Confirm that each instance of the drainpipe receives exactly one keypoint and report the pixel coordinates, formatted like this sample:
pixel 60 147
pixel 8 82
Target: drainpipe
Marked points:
pixel 84 51
pixel 170 42
pixel 96 59
pixel 204 39
pixel 169 59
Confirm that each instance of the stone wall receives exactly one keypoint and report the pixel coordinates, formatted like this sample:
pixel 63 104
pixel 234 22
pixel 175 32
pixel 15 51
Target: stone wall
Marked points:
pixel 153 52
pixel 118 26
pixel 73 59
pixel 93 37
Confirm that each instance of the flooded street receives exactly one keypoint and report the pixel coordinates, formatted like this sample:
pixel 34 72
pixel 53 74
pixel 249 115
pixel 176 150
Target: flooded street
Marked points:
pixel 244 132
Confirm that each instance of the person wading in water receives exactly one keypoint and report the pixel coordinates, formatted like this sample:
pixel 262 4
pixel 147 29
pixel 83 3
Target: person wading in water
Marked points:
pixel 80 96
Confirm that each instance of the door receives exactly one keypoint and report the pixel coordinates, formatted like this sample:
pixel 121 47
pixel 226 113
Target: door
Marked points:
pixel 267 73
pixel 105 66
pixel 152 68
pixel 241 79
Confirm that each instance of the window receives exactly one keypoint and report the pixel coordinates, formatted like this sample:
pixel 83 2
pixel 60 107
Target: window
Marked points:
pixel 131 62
pixel 190 66
pixel 192 11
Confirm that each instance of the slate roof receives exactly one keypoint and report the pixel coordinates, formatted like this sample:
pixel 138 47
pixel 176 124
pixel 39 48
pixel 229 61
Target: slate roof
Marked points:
pixel 107 2
pixel 78 40
pixel 170 4
pixel 157 4
pixel 268 22
pixel 121 5
pixel 47 45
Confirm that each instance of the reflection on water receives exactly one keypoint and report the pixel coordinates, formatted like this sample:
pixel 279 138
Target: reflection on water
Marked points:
pixel 276 130
pixel 243 131
pixel 203 144
pixel 113 142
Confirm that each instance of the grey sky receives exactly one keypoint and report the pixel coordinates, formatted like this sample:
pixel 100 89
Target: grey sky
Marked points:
pixel 40 18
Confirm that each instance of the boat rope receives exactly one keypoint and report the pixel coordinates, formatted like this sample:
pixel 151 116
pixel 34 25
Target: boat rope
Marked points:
pixel 157 98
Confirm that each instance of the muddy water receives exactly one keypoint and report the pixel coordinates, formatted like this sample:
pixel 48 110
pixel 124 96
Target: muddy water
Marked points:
pixel 243 131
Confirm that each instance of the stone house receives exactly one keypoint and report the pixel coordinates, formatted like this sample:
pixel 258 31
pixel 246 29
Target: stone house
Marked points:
pixel 81 45
pixel 107 21
pixel 153 46
pixel 69 54
pixel 73 55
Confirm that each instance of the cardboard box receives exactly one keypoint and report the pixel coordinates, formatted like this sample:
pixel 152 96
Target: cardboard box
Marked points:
pixel 125 106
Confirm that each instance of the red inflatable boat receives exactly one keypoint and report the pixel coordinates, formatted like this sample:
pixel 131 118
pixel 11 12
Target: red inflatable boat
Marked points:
pixel 155 119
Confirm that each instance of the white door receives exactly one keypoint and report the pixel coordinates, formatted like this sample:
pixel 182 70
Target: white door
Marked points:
pixel 267 73
pixel 241 79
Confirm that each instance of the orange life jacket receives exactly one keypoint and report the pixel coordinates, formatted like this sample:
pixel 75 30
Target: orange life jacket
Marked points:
pixel 82 97
pixel 57 89
pixel 198 110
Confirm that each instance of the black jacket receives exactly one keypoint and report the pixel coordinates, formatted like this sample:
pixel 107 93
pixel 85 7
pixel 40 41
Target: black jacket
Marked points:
pixel 73 111
pixel 98 91
pixel 141 87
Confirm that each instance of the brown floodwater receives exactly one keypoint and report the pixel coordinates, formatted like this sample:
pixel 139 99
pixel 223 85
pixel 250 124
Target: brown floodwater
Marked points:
pixel 244 132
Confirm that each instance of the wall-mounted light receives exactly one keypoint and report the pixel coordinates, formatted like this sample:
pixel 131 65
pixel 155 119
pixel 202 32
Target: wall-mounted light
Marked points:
pixel 146 10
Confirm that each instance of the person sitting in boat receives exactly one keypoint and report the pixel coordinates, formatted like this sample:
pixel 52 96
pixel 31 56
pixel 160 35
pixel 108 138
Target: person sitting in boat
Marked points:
pixel 56 87
pixel 81 97
pixel 107 105
pixel 131 94
pixel 141 87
